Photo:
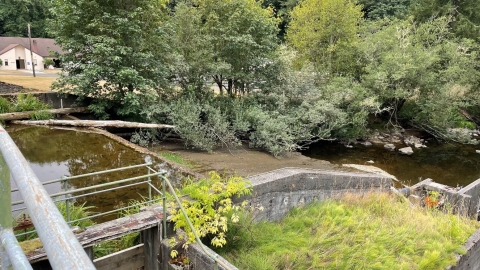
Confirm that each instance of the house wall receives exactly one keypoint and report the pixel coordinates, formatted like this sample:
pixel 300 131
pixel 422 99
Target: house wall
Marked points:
pixel 23 53
pixel 29 62
pixel 10 55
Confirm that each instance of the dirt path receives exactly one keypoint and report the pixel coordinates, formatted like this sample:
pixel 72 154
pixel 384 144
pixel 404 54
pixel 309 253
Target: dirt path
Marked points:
pixel 242 161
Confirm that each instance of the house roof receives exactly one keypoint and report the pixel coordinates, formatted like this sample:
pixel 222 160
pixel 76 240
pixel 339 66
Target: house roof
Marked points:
pixel 40 46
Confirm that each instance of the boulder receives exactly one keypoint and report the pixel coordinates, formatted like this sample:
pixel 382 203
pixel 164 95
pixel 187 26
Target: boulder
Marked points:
pixel 389 146
pixel 406 150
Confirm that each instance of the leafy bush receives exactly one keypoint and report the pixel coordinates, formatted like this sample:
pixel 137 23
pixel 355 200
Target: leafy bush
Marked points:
pixel 48 62
pixel 208 204
pixel 28 103
pixel 5 106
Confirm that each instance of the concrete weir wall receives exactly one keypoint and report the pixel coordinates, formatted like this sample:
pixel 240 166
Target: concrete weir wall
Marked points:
pixel 280 190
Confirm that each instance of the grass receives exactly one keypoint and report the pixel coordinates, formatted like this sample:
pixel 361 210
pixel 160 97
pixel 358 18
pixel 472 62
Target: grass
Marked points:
pixel 378 231
pixel 177 159
pixel 37 83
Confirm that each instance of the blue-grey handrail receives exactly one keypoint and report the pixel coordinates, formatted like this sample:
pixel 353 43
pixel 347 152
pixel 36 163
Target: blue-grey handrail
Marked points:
pixel 62 247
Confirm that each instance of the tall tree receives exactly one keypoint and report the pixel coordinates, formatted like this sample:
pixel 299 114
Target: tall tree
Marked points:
pixel 379 9
pixel 115 51
pixel 420 73
pixel 16 14
pixel 229 41
pixel 465 13
pixel 325 33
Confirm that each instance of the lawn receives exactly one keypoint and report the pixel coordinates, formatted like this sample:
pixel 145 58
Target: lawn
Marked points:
pixel 378 231
pixel 38 83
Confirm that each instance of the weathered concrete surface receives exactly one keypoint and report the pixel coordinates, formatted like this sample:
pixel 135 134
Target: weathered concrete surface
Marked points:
pixel 128 259
pixel 279 191
pixel 198 258
pixel 464 201
pixel 52 98
pixel 470 260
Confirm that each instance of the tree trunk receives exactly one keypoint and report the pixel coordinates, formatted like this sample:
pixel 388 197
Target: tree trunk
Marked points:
pixel 26 115
pixel 91 123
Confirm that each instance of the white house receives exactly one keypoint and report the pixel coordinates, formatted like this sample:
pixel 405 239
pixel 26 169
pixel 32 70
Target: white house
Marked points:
pixel 15 53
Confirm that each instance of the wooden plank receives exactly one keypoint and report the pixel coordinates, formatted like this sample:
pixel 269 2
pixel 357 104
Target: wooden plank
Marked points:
pixel 151 217
pixel 127 259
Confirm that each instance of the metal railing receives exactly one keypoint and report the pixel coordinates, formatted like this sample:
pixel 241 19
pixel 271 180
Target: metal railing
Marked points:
pixel 62 247
pixel 66 196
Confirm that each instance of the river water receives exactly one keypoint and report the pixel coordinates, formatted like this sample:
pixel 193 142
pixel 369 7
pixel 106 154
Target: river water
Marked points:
pixel 449 164
pixel 54 153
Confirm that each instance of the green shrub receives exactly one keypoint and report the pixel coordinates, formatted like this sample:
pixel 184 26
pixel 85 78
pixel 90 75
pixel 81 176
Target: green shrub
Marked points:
pixel 29 102
pixel 5 106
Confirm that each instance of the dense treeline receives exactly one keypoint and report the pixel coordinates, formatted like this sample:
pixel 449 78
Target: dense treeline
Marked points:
pixel 280 73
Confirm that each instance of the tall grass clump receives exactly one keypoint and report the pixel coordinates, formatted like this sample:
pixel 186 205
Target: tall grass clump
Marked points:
pixel 377 231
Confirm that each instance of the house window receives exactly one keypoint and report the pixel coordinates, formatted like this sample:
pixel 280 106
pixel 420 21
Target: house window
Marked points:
pixel 6 62
pixel 35 61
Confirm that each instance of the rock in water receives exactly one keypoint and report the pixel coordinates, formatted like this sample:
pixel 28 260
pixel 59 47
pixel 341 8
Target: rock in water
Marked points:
pixel 389 146
pixel 406 150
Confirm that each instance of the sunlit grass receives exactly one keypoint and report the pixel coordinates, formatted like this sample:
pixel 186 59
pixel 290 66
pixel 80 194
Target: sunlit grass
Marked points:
pixel 378 231
pixel 176 158
pixel 34 83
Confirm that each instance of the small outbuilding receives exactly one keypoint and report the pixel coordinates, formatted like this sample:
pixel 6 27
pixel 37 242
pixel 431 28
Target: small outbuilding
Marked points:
pixel 15 53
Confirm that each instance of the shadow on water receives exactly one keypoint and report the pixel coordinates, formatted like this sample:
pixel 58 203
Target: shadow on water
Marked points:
pixel 54 153
pixel 450 164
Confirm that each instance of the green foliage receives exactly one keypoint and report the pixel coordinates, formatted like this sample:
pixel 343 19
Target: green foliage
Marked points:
pixel 354 232
pixel 229 41
pixel 28 102
pixel 208 204
pixel 115 52
pixel 380 9
pixel 5 106
pixel 41 115
pixel 48 62
pixel 420 72
pixel 465 20
pixel 16 14
pixel 325 33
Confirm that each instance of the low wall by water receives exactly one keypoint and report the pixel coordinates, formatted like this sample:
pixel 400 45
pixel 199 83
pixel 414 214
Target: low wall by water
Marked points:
pixel 279 191
pixel 463 201
pixel 54 99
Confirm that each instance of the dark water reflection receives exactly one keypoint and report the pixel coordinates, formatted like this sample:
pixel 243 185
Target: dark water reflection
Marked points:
pixel 450 164
pixel 54 153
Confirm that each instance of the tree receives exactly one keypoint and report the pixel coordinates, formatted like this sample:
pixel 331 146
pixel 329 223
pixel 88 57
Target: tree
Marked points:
pixel 16 14
pixel 115 52
pixel 420 73
pixel 235 38
pixel 325 33
pixel 466 19
pixel 379 9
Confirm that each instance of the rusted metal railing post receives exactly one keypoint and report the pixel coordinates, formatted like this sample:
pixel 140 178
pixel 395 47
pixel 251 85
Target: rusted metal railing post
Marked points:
pixel 62 247
pixel 11 253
